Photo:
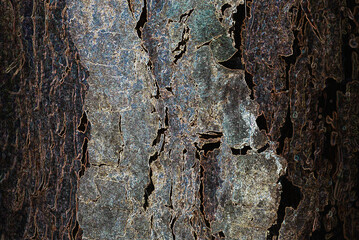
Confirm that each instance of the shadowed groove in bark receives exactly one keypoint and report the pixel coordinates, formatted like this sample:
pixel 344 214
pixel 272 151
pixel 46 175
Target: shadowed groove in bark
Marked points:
pixel 84 158
pixel 290 197
pixel 241 151
pixel 150 187
pixel 181 48
pixel 235 62
pixel 172 227
pixel 285 132
pixel 262 123
pixel 143 19
pixel 83 123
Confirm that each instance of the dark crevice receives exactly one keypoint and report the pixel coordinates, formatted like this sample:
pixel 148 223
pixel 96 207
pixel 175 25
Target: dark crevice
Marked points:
pixel 262 123
pixel 210 135
pixel 130 6
pixel 119 124
pixel 195 235
pixel 290 197
pixel 122 146
pixel 221 235
pixel 204 44
pixel 172 227
pixel 182 45
pixel 166 118
pixel 224 7
pixel 75 230
pixel 63 131
pixel 285 132
pixel 184 17
pixel 249 80
pixel 149 64
pixel 241 151
pixel 262 149
pixel 328 100
pixel 101 165
pixel 160 132
pixel 150 187
pixel 158 95
pixel 327 105
pixel 153 158
pixel 169 89
pixel 181 48
pixel 207 147
pixel 170 199
pixel 235 62
pixel 84 158
pixel 197 155
pixel 83 123
pixel 142 21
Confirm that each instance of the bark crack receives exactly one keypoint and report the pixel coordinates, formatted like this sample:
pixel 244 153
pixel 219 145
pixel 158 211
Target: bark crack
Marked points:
pixel 290 197
pixel 83 123
pixel 84 158
pixel 241 151
pixel 121 137
pixel 181 48
pixel 161 137
pixel 142 21
pixel 235 62
pixel 172 227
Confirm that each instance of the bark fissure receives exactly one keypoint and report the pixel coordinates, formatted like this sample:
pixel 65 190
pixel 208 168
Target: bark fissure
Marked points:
pixel 84 158
pixel 83 123
pixel 181 48
pixel 161 137
pixel 241 151
pixel 150 187
pixel 235 62
pixel 142 21
pixel 173 221
pixel 290 197
pixel 286 132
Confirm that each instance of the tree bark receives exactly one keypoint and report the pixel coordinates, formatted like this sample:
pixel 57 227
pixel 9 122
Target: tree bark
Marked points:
pixel 43 129
pixel 208 119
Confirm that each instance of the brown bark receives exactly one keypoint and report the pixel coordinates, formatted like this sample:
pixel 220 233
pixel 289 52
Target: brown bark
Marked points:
pixel 42 141
pixel 173 151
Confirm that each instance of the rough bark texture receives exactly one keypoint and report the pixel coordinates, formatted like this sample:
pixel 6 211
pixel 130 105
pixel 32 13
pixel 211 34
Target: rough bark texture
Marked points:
pixel 166 117
pixel 306 74
pixel 42 93
pixel 209 119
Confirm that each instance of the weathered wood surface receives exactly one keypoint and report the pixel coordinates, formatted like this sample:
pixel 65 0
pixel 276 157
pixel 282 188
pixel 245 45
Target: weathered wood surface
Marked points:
pixel 205 123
